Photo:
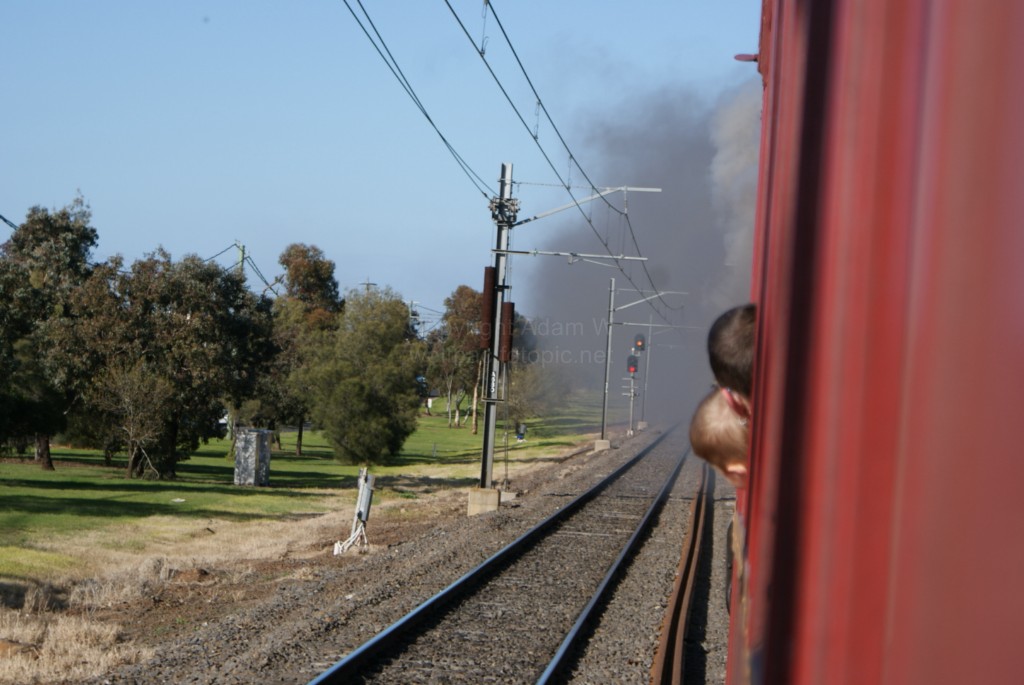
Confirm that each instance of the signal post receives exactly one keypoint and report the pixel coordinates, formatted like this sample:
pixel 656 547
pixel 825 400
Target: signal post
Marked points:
pixel 497 318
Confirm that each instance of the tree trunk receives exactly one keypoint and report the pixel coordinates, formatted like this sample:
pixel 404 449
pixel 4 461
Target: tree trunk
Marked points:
pixel 167 467
pixel 133 461
pixel 43 452
pixel 298 439
pixel 276 435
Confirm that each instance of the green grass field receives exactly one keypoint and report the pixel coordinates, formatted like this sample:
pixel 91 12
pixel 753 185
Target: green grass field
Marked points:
pixel 84 494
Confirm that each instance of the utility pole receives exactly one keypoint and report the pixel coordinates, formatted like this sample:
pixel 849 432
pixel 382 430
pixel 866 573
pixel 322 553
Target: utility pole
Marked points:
pixel 604 443
pixel 241 258
pixel 503 211
pixel 642 425
pixel 632 396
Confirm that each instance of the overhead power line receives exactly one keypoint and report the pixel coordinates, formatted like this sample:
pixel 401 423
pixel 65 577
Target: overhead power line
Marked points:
pixel 572 158
pixel 385 54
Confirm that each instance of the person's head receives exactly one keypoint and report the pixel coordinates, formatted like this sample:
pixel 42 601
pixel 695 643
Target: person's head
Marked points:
pixel 720 437
pixel 731 348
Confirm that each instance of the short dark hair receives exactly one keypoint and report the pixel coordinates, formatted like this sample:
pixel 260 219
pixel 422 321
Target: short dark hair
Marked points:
pixel 731 348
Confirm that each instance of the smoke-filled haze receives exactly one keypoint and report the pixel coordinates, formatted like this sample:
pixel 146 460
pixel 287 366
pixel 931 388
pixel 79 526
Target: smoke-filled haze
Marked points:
pixel 697 234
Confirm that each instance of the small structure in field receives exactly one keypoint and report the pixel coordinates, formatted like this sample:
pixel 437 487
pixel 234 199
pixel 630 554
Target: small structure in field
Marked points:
pixel 252 456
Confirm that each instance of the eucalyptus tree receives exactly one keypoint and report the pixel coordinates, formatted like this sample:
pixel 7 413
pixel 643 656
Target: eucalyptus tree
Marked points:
pixel 42 264
pixel 454 352
pixel 304 314
pixel 189 332
pixel 363 378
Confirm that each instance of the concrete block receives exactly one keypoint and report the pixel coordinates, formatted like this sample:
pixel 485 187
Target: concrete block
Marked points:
pixel 601 445
pixel 482 500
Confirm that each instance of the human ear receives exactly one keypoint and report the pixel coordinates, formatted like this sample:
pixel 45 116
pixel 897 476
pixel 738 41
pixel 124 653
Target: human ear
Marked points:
pixel 736 474
pixel 739 404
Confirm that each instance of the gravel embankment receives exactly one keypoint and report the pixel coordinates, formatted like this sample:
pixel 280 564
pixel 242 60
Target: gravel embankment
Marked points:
pixel 331 605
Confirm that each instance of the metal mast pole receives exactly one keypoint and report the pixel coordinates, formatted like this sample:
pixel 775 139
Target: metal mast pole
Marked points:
pixel 647 370
pixel 241 258
pixel 632 395
pixel 608 357
pixel 503 211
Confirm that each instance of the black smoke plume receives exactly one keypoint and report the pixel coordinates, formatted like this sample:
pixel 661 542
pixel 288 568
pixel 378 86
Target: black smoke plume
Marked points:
pixel 697 234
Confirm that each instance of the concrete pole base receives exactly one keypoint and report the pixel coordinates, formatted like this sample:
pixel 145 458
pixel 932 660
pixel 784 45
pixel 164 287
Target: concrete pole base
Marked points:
pixel 483 500
pixel 601 445
pixel 641 425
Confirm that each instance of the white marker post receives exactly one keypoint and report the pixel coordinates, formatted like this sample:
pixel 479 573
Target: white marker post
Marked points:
pixel 360 518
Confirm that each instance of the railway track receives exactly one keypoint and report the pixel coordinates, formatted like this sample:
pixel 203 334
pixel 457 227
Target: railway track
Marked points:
pixel 521 615
pixel 670 659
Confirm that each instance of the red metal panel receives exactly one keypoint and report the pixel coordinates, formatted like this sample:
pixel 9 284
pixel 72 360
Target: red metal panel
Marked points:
pixel 889 365
pixel 782 49
pixel 856 343
pixel 956 604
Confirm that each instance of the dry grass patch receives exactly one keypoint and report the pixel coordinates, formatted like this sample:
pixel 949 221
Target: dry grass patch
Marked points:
pixel 161 574
pixel 59 630
pixel 44 648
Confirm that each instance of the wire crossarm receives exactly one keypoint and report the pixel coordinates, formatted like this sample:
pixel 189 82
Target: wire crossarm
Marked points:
pixel 577 203
pixel 573 256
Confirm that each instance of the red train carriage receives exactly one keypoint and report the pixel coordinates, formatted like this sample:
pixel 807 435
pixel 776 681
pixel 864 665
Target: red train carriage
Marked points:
pixel 885 525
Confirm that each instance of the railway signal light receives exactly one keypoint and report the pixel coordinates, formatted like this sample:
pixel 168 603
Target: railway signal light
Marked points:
pixel 640 342
pixel 632 363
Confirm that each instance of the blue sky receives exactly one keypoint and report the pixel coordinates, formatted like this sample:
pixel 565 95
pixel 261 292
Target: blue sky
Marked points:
pixel 194 124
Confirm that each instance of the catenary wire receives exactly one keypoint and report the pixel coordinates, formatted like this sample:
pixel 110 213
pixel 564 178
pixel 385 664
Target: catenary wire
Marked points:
pixel 572 157
pixel 564 184
pixel 396 71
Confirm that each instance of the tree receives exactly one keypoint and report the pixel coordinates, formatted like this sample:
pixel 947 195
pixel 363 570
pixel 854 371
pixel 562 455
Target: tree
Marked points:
pixel 36 407
pixel 193 326
pixel 534 386
pixel 363 378
pixel 454 350
pixel 138 398
pixel 210 339
pixel 45 260
pixel 309 278
pixel 307 312
pixel 451 370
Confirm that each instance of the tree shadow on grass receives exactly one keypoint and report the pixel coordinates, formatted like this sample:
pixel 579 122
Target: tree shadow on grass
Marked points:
pixel 281 476
pixel 113 508
pixel 421 484
pixel 185 485
pixel 441 459
pixel 581 424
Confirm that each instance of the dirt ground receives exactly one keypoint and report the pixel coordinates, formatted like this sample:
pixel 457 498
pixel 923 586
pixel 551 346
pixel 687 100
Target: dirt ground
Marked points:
pixel 146 600
pixel 194 595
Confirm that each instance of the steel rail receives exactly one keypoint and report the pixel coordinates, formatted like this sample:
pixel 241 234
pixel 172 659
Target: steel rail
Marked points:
pixel 350 666
pixel 578 632
pixel 669 659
